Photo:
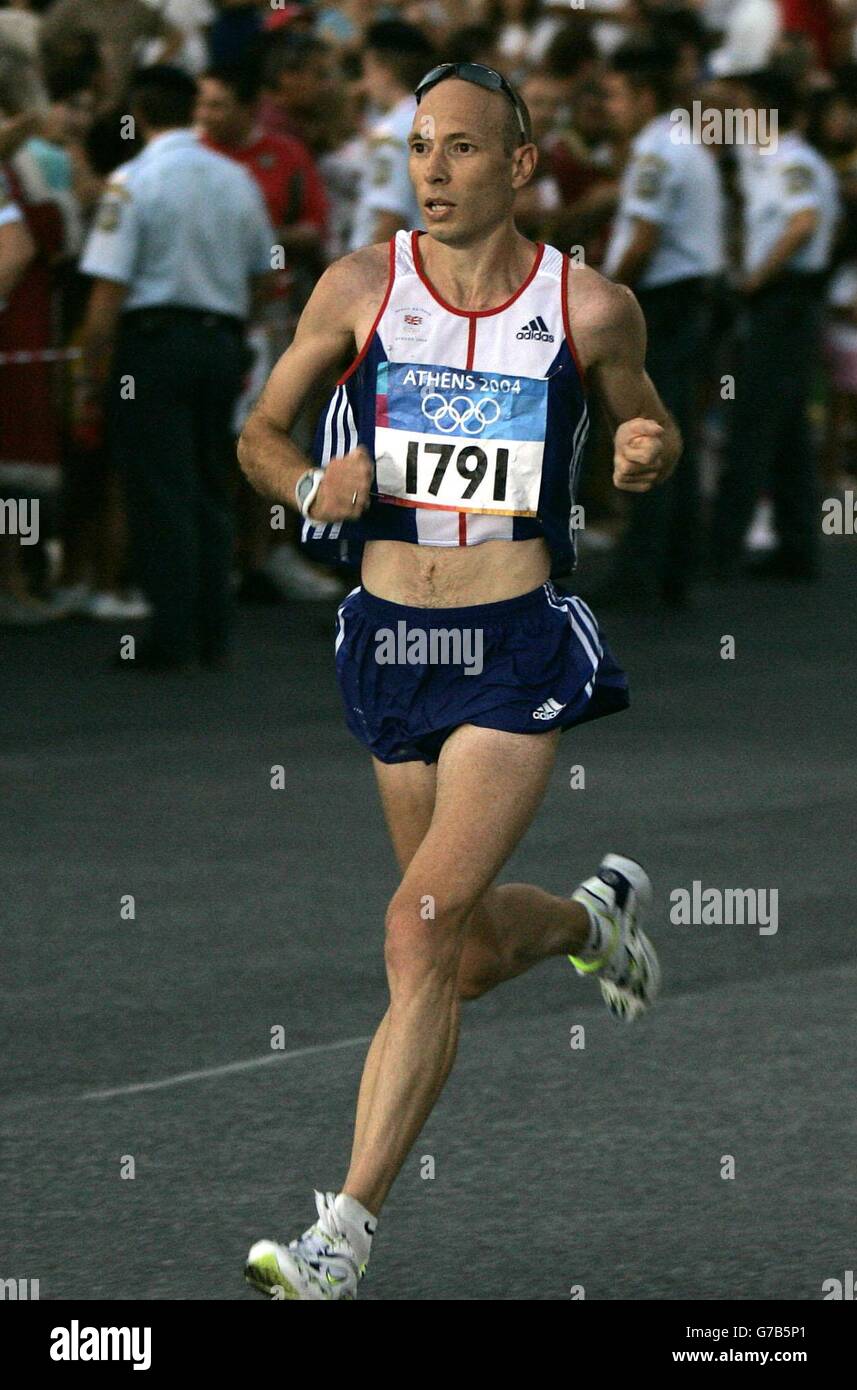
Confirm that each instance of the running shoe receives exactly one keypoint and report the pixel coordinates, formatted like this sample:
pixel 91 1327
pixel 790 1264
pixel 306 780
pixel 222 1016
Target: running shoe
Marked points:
pixel 320 1265
pixel 629 973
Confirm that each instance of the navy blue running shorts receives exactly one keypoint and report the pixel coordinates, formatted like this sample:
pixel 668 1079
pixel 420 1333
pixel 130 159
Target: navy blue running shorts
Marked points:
pixel 410 676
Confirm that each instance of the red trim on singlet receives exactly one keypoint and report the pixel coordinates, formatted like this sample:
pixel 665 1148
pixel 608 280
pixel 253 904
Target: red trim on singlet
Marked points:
pixel 471 313
pixel 444 507
pixel 462 528
pixel 566 323
pixel 471 343
pixel 365 348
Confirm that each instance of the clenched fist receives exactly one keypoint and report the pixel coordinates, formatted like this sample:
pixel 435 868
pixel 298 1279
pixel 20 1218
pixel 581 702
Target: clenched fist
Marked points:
pixel 638 461
pixel 344 491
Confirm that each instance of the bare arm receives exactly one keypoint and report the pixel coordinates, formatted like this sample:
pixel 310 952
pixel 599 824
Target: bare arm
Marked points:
pixel 17 249
pixel 612 337
pixel 639 251
pixel 799 230
pixel 324 339
pixel 99 327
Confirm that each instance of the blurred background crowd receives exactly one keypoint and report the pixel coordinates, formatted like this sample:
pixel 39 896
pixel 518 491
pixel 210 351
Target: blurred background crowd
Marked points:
pixel 314 99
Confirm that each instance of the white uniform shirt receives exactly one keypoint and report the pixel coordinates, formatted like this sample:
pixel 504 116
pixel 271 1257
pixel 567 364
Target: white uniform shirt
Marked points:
pixel 388 186
pixel 776 185
pixel 181 225
pixel 678 187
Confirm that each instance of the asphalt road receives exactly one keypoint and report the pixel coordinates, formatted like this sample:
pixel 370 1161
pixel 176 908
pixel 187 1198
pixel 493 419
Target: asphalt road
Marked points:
pixel 256 908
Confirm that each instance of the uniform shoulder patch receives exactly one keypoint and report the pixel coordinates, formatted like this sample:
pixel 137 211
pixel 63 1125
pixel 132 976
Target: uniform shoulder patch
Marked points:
pixel 109 214
pixel 382 154
pixel 649 174
pixel 109 217
pixel 116 195
pixel 799 178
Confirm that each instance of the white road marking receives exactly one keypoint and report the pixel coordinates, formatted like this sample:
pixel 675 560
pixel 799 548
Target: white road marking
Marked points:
pixel 186 1076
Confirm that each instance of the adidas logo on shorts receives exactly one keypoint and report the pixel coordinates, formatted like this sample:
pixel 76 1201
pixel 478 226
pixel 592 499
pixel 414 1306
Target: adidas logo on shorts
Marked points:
pixel 536 329
pixel 549 710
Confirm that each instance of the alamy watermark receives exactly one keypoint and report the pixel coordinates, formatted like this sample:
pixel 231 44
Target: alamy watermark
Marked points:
pixel 19 516
pixel 707 125
pixel 76 1343
pixel 434 646
pixel 840 1290
pixel 840 515
pixel 705 907
pixel 19 1290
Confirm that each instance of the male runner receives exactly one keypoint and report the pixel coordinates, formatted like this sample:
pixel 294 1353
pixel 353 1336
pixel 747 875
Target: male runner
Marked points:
pixel 467 395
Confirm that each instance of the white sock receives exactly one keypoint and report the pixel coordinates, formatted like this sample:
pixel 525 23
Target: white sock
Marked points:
pixel 358 1223
pixel 599 941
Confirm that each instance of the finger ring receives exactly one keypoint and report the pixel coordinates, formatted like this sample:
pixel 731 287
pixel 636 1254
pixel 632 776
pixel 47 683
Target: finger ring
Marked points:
pixel 354 500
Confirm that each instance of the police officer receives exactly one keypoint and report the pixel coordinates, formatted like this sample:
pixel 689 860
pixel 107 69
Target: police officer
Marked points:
pixel 180 236
pixel 668 245
pixel 791 208
pixel 395 57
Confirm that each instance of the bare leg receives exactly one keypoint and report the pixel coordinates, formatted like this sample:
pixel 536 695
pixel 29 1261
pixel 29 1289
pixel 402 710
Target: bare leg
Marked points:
pixel 489 785
pixel 407 795
pixel 513 928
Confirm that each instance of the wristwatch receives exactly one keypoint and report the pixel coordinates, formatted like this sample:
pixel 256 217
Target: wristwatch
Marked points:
pixel 306 488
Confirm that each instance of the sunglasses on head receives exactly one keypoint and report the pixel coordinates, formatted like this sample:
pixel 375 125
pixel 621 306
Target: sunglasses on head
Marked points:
pixel 480 76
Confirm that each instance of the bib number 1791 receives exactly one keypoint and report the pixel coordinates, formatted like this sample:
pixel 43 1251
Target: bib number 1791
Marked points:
pixel 469 461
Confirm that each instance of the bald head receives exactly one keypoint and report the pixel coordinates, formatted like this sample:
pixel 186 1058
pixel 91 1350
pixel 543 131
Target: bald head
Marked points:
pixel 490 112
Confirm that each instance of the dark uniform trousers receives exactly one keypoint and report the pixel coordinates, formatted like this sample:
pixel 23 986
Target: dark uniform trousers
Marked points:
pixel 659 550
pixel 174 446
pixel 770 444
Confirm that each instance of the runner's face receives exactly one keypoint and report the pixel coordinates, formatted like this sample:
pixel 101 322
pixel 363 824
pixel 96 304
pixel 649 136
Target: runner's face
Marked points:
pixel 464 178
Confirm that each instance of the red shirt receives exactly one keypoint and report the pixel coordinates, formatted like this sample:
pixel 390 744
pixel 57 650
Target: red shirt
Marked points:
pixel 813 18
pixel 287 175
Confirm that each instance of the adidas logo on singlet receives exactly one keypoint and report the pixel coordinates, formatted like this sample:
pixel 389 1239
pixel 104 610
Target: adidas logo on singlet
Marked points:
pixel 536 329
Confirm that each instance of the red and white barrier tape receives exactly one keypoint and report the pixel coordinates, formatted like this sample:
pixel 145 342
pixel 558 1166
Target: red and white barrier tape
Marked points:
pixel 46 355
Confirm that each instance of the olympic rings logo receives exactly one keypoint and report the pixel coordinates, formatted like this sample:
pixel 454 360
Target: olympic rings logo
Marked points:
pixel 448 414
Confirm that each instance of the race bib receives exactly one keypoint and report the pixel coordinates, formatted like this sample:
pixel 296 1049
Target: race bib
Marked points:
pixel 464 441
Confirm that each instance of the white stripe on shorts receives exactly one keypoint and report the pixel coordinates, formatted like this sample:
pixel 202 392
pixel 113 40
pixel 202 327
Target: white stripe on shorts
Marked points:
pixel 340 618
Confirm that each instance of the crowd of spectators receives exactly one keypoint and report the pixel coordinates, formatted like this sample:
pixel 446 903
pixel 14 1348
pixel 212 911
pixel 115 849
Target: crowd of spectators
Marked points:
pixel 301 92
